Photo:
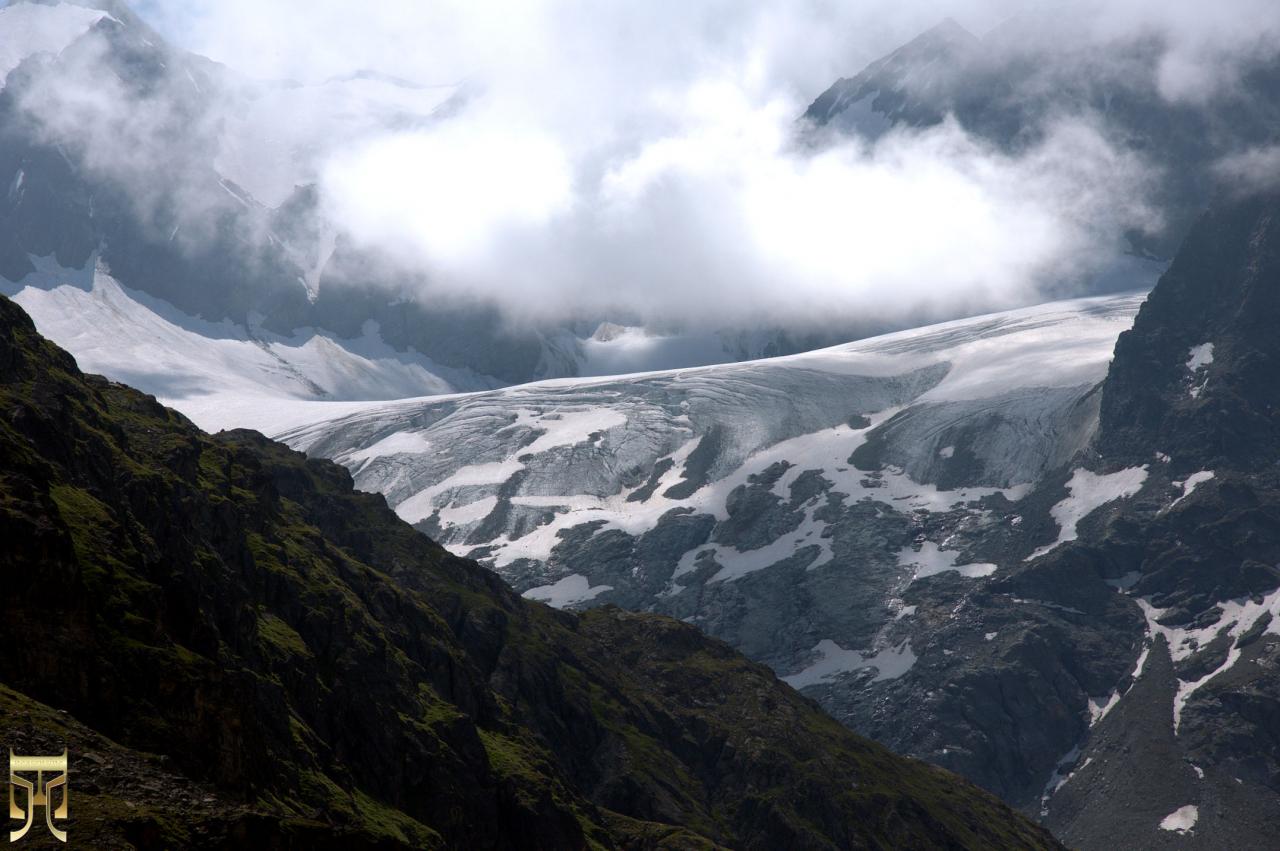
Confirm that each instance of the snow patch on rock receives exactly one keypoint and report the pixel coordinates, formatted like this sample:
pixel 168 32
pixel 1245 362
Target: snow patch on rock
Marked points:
pixel 1089 492
pixel 931 560
pixel 1198 359
pixel 571 590
pixel 1200 356
pixel 1238 618
pixel 1099 707
pixel 1193 481
pixel 1181 820
pixel 833 660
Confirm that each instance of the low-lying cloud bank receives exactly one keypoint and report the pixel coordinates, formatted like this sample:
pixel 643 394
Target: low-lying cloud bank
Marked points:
pixel 724 220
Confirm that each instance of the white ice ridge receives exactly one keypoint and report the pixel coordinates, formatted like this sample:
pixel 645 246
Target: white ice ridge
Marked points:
pixel 1181 820
pixel 1237 618
pixel 219 374
pixel 1089 492
pixel 833 660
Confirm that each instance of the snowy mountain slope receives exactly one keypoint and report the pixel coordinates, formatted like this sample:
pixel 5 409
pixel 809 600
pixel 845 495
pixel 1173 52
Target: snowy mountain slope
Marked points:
pixel 914 85
pixel 708 429
pixel 1189 739
pixel 213 370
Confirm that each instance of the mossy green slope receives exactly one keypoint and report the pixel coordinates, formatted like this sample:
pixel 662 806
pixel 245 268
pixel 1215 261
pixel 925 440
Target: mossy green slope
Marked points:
pixel 240 611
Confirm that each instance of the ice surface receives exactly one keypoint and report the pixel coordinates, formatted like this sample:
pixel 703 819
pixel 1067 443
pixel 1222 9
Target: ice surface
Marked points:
pixel 583 447
pixel 400 443
pixel 567 428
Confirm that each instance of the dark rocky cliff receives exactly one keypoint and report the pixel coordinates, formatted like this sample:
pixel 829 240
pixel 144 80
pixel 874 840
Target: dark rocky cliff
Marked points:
pixel 1192 395
pixel 1198 377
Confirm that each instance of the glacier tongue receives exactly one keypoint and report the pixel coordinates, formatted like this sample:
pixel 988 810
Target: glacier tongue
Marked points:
pixel 621 453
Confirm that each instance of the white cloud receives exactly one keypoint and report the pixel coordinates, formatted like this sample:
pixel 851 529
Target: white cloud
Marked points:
pixel 639 157
pixel 459 193
pixel 148 139
pixel 720 217
pixel 1206 45
pixel 1254 170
